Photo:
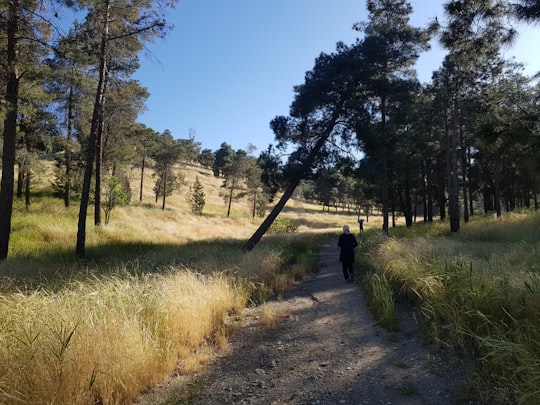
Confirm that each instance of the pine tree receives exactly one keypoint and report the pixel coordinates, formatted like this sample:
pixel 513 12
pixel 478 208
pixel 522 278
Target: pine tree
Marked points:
pixel 121 29
pixel 195 197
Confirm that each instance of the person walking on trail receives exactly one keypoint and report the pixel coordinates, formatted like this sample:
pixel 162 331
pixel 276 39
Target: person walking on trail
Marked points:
pixel 347 243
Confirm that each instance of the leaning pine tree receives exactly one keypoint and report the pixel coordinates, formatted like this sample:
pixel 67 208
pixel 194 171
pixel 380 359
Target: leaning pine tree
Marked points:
pixel 317 121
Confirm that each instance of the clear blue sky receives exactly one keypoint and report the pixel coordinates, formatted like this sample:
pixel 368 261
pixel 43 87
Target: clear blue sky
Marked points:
pixel 229 67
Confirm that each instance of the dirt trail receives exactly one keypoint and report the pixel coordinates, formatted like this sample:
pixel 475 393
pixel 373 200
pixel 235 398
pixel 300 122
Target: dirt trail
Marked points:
pixel 326 348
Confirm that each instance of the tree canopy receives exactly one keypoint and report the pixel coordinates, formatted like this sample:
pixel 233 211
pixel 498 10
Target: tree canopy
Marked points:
pixel 362 133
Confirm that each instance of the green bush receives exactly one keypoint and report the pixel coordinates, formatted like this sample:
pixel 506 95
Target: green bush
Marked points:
pixel 282 225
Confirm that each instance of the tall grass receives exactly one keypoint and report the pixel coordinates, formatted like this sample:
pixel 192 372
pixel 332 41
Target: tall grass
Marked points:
pixel 100 337
pixel 480 291
pixel 101 340
pixel 381 300
pixel 157 294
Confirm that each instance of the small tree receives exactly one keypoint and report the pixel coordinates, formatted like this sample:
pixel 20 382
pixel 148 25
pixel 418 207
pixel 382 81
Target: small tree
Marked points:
pixel 166 182
pixel 115 194
pixel 166 155
pixel 195 197
pixel 235 173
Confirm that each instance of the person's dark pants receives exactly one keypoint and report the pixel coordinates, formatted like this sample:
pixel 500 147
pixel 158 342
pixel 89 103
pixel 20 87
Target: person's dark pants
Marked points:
pixel 347 266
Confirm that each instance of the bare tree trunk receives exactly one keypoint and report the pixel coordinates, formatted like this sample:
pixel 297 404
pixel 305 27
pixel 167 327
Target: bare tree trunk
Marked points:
pixel 229 203
pixel 250 244
pixel 453 189
pixel 424 191
pixel 254 208
pixel 99 158
pixel 27 169
pixel 430 196
pixel 69 135
pixel 10 127
pixel 453 179
pixel 385 181
pixel 465 175
pixel 80 250
pixel 471 188
pixel 497 188
pixel 142 179
pixel 164 186
pixel 20 181
pixel 408 205
pixel 27 187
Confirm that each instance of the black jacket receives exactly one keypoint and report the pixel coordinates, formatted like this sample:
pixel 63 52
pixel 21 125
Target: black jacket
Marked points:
pixel 347 242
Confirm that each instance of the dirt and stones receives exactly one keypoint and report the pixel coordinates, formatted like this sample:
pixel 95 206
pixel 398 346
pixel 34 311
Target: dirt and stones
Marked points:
pixel 324 348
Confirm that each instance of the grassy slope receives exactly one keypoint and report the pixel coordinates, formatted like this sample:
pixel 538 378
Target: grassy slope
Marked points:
pixel 47 230
pixel 152 296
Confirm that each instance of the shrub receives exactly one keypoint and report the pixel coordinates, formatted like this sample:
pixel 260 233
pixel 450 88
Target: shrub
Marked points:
pixel 282 225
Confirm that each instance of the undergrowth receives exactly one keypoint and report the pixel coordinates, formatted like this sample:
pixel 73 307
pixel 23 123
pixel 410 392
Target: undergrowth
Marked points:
pixel 479 292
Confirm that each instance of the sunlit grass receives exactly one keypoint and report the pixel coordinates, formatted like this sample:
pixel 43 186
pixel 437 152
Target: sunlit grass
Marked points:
pixel 105 338
pixel 480 291
pixel 101 335
pixel 156 290
pixel 155 294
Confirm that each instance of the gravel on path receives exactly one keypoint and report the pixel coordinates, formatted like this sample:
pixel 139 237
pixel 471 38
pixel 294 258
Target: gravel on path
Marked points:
pixel 325 348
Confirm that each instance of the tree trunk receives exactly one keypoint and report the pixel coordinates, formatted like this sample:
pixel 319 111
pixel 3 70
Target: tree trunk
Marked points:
pixel 80 250
pixel 252 242
pixel 27 186
pixel 164 186
pixel 497 189
pixel 385 181
pixel 99 158
pixel 424 191
pixel 254 208
pixel 408 205
pixel 430 199
pixel 465 175
pixel 471 200
pixel 441 198
pixel 453 178
pixel 27 169
pixel 470 183
pixel 20 181
pixel 142 179
pixel 69 136
pixel 10 127
pixel 393 208
pixel 229 203
pixel 453 198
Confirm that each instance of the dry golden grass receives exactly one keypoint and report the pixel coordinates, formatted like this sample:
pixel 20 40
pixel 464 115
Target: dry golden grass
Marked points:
pixel 106 339
pixel 153 296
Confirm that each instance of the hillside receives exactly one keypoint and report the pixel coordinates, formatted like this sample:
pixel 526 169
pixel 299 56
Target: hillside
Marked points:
pixel 145 222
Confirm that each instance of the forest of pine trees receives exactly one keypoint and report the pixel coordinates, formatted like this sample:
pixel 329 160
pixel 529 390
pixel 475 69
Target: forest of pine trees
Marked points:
pixel 362 134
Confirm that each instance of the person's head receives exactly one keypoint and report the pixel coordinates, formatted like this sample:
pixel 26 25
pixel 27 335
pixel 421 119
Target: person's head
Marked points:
pixel 345 228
